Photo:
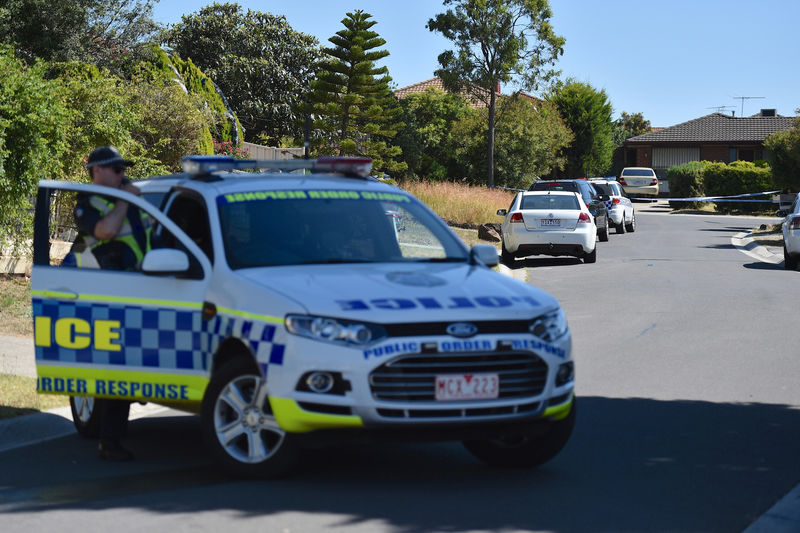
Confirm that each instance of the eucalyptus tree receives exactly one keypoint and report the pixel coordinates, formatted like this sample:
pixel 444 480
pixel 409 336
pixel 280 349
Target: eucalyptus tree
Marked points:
pixel 496 42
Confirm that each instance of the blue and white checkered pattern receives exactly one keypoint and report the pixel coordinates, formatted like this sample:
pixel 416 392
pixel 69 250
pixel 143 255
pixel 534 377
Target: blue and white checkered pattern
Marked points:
pixel 163 338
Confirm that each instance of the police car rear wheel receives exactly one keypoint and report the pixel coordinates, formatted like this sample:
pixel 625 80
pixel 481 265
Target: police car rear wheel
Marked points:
pixel 525 451
pixel 239 426
pixel 631 227
pixel 620 228
pixel 85 416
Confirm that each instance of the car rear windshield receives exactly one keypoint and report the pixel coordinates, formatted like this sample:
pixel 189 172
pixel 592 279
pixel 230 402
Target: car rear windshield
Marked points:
pixel 604 188
pixel 645 172
pixel 275 228
pixel 550 202
pixel 569 186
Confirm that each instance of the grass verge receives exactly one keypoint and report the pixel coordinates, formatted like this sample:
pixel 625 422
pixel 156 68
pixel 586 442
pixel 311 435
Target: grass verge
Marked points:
pixel 15 306
pixel 18 397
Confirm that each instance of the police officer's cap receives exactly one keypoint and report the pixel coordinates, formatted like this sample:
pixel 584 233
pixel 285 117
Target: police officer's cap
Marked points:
pixel 106 156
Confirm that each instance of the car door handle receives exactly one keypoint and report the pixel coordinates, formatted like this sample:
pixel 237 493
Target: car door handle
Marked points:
pixel 61 295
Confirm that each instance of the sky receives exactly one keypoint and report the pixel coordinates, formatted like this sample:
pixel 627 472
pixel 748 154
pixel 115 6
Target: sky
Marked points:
pixel 672 60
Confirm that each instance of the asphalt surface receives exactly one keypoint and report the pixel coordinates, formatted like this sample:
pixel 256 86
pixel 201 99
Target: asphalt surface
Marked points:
pixel 16 357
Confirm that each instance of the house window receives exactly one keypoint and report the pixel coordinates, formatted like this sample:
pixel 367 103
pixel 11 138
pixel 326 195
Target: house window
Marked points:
pixel 746 154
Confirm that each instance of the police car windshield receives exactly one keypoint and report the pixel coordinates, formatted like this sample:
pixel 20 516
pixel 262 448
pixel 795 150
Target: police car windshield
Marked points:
pixel 301 227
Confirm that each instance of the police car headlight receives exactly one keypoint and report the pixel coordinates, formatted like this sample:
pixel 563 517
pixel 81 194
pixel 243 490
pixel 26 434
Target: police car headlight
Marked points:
pixel 334 330
pixel 551 326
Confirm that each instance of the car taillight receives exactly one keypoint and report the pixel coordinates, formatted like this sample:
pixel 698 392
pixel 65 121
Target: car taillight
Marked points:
pixel 584 217
pixel 654 181
pixel 615 201
pixel 516 217
pixel 622 181
pixel 795 223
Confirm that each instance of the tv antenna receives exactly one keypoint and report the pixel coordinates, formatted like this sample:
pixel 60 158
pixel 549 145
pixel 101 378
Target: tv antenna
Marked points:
pixel 743 98
pixel 721 108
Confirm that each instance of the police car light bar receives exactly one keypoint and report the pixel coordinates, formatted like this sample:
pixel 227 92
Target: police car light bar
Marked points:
pixel 199 165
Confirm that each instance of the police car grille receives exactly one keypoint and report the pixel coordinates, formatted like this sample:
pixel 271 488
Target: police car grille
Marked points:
pixel 412 378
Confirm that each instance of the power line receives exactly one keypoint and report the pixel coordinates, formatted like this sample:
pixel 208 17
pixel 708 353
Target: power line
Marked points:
pixel 743 98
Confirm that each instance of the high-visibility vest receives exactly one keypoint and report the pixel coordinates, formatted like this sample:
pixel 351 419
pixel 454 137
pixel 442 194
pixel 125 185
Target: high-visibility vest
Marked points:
pixel 87 259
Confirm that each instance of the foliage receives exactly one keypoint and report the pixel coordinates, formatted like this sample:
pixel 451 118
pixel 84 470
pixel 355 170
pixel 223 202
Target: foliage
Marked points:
pixel 496 41
pixel 106 33
pixel 738 177
pixel 259 62
pixel 15 306
pixel 223 123
pixel 171 123
pixel 351 99
pixel 228 148
pixel 686 181
pixel 784 150
pixel 627 126
pixel 529 141
pixel 33 126
pixel 427 139
pixel 587 112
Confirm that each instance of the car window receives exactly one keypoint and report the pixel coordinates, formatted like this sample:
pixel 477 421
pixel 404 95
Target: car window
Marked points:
pixel 642 172
pixel 275 228
pixel 190 214
pixel 569 186
pixel 549 202
pixel 604 188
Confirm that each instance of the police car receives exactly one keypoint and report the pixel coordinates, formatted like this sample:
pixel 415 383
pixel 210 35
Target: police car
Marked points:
pixel 291 308
pixel 619 205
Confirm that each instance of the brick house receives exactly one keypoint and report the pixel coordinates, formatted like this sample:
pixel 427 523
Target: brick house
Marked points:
pixel 714 137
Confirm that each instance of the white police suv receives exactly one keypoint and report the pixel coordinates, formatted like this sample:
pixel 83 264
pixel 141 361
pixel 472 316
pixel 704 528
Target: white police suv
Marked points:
pixel 292 308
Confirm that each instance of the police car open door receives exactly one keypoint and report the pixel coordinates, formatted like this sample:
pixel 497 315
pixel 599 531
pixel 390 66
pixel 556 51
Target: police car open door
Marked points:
pixel 109 333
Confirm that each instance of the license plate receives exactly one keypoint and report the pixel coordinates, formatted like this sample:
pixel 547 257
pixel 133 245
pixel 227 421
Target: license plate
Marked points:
pixel 551 222
pixel 467 387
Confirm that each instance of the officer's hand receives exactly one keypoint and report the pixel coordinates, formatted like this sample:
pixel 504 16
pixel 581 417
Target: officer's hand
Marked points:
pixel 131 188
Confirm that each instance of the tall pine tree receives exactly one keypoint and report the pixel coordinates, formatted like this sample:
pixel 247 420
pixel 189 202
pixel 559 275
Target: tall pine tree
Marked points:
pixel 351 102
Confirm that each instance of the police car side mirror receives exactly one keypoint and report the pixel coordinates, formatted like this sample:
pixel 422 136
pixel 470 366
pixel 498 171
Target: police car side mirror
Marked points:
pixel 502 212
pixel 485 253
pixel 165 261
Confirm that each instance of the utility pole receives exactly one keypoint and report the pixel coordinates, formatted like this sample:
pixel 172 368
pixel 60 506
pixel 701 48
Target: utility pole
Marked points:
pixel 743 98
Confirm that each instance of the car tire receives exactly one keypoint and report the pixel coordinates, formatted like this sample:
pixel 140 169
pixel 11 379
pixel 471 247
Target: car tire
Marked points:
pixel 525 451
pixel 631 226
pixel 506 256
pixel 86 415
pixel 789 261
pixel 603 233
pixel 239 427
pixel 590 257
pixel 620 228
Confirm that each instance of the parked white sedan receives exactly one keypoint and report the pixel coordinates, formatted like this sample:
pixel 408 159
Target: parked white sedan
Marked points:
pixel 548 223
pixel 791 236
pixel 639 181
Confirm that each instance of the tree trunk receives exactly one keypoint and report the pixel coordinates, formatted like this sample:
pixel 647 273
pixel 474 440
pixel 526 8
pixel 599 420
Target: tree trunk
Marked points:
pixel 490 155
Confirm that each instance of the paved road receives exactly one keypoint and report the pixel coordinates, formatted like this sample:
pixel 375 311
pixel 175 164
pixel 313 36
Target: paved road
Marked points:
pixel 688 421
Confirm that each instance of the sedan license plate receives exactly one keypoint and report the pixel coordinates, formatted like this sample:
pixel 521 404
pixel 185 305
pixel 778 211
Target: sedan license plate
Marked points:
pixel 551 222
pixel 467 387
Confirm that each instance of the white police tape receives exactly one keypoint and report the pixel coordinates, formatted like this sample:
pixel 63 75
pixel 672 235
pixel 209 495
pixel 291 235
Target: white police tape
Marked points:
pixel 717 199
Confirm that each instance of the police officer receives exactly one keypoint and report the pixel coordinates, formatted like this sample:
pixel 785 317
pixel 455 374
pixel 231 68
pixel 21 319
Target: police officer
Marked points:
pixel 112 235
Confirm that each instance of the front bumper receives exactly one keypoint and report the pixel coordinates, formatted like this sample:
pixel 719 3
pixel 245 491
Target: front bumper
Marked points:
pixel 363 403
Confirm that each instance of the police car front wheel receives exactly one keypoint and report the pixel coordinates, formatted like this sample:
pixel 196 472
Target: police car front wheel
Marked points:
pixel 239 426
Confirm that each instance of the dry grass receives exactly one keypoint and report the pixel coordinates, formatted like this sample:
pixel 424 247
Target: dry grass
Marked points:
pixel 15 306
pixel 18 396
pixel 461 204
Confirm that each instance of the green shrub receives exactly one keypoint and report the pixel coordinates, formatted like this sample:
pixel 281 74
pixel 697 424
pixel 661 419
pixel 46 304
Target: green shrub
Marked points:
pixel 738 177
pixel 686 181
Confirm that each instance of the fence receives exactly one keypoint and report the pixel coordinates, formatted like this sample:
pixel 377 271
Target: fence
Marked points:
pixel 270 152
